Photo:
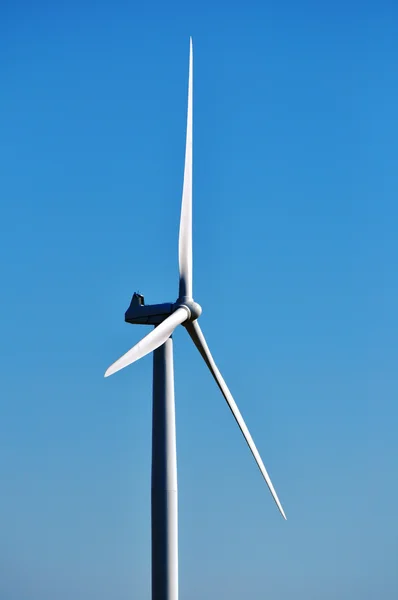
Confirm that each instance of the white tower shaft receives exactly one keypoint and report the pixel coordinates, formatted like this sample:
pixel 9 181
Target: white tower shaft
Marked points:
pixel 164 478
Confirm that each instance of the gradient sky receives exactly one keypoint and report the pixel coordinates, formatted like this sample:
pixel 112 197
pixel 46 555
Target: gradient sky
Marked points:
pixel 295 265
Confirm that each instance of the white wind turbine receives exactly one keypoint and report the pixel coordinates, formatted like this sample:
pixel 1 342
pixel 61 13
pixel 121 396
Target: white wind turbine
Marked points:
pixel 166 317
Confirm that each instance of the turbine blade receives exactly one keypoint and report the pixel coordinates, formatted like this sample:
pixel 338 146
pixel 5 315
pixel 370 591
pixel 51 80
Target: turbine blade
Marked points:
pixel 150 342
pixel 185 237
pixel 198 338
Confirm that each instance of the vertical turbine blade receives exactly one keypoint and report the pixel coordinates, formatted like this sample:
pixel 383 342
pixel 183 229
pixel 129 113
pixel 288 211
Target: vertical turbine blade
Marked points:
pixel 185 238
pixel 198 338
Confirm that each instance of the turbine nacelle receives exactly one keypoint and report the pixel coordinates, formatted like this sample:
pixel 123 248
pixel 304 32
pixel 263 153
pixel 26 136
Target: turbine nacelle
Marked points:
pixel 139 313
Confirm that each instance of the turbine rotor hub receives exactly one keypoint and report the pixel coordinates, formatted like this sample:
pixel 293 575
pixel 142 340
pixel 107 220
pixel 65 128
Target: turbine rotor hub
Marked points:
pixel 194 309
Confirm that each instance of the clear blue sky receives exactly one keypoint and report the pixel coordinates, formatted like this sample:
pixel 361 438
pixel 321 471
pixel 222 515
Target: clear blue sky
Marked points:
pixel 295 258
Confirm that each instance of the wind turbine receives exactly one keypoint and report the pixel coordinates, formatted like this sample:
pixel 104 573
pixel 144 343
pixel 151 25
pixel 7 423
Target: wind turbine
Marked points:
pixel 166 317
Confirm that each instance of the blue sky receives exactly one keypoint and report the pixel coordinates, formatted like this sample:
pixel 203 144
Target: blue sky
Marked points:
pixel 295 265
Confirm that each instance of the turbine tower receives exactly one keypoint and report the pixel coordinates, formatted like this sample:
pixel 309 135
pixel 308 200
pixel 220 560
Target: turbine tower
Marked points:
pixel 165 318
